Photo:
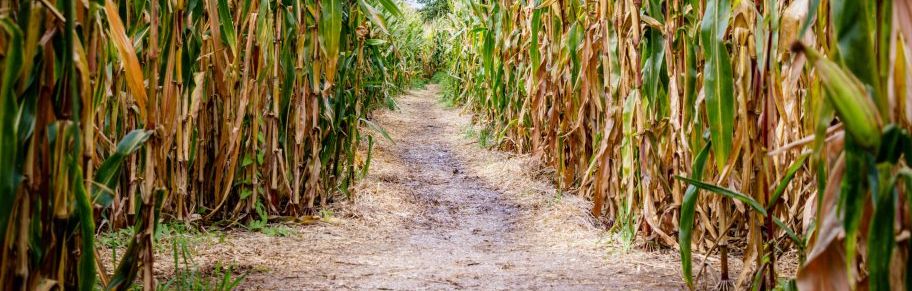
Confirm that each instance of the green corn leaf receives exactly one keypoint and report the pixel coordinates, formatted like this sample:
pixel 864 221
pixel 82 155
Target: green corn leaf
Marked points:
pixel 655 75
pixel 487 53
pixel 373 126
pixel 690 88
pixel 367 160
pixel 9 176
pixel 906 174
pixel 374 16
pixel 330 29
pixel 391 7
pixel 330 26
pixel 109 171
pixel 727 193
pixel 574 40
pixel 812 14
pixel 534 50
pixel 718 82
pixel 86 272
pixel 854 25
pixel 688 209
pixel 892 145
pixel 853 194
pixel 789 175
pixel 227 25
pixel 880 234
pixel 790 233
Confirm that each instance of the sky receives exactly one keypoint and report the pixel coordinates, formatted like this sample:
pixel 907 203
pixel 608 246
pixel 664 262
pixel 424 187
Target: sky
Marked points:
pixel 413 3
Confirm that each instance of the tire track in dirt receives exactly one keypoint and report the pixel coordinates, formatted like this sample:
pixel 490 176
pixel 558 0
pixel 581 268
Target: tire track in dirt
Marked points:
pixel 438 212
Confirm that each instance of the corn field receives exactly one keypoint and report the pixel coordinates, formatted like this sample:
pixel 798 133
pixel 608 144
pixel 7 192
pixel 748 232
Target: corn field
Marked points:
pixel 121 113
pixel 766 131
pixel 738 128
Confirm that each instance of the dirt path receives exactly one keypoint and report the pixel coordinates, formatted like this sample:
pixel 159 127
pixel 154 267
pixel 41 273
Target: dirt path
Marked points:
pixel 438 212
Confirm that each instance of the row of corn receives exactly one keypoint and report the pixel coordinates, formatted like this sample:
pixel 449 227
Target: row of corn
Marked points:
pixel 771 131
pixel 121 113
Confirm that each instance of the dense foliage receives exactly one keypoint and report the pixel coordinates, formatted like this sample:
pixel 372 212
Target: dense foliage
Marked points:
pixel 795 114
pixel 433 9
pixel 116 113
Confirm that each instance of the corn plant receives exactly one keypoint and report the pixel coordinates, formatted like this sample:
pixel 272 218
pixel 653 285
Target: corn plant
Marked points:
pixel 799 108
pixel 120 113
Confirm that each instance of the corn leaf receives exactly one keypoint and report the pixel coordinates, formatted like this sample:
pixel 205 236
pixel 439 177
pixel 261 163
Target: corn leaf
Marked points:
pixel 330 28
pixel 789 175
pixel 87 227
pixel 853 194
pixel 790 233
pixel 227 26
pixel 811 16
pixel 718 82
pixel 109 171
pixel 391 7
pixel 688 209
pixel 906 174
pixel 373 126
pixel 9 177
pixel 374 15
pixel 895 142
pixel 127 56
pixel 534 50
pixel 880 234
pixel 727 193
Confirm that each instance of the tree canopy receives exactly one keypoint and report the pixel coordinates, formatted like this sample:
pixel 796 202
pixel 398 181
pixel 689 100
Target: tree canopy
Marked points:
pixel 432 9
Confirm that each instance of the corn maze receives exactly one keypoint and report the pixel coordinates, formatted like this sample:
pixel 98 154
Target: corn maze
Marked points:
pixel 770 132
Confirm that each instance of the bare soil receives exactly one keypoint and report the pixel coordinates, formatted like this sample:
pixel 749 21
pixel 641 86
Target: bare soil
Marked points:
pixel 439 212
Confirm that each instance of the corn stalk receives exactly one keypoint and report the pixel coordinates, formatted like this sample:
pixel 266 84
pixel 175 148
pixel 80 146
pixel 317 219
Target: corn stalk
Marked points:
pixel 121 113
pixel 626 100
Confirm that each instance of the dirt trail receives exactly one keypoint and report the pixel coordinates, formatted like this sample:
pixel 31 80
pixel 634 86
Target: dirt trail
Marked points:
pixel 438 212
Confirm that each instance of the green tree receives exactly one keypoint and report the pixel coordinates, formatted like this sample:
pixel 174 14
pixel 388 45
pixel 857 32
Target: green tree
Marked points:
pixel 431 9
